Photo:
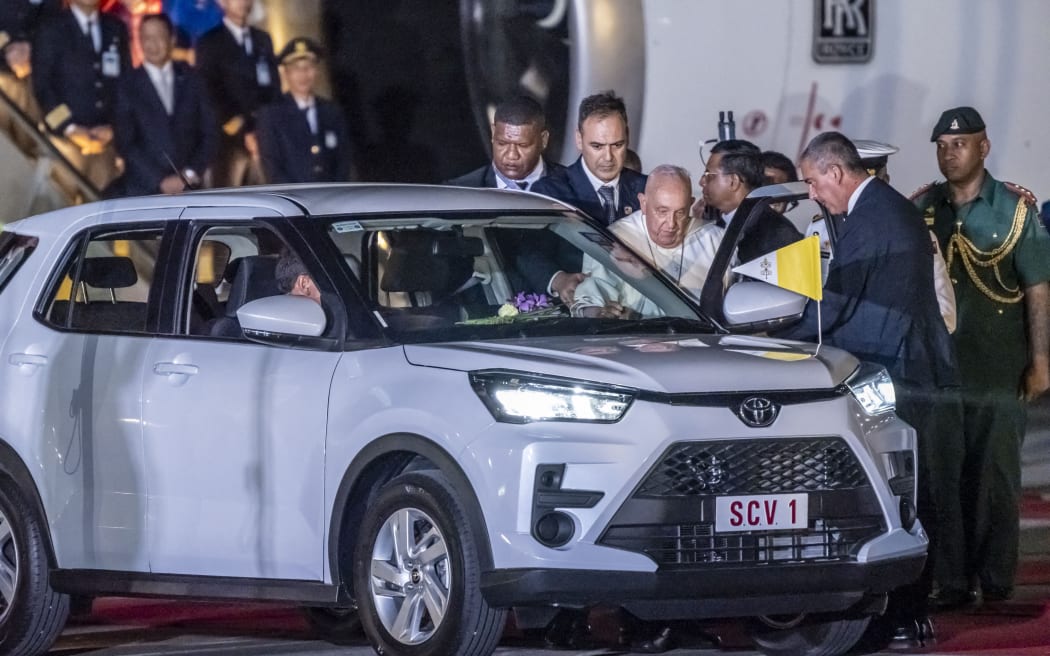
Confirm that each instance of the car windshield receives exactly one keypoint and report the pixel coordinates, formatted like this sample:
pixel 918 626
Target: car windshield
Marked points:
pixel 487 276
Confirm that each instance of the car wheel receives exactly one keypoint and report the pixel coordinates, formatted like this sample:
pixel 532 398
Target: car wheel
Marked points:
pixel 416 573
pixel 31 613
pixel 807 635
pixel 336 625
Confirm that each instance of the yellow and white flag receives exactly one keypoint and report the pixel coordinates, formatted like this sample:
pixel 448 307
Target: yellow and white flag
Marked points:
pixel 795 267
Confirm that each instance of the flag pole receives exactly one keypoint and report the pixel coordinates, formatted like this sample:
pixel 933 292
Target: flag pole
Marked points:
pixel 820 330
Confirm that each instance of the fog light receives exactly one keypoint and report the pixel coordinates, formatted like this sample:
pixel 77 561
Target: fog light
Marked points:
pixel 554 529
pixel 908 515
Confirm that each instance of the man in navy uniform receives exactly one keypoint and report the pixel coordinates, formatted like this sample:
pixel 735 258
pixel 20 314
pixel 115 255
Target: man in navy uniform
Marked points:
pixel 240 73
pixel 519 140
pixel 597 182
pixel 303 138
pixel 77 58
pixel 165 126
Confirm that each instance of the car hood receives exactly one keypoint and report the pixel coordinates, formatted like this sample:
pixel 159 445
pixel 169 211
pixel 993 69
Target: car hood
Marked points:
pixel 670 364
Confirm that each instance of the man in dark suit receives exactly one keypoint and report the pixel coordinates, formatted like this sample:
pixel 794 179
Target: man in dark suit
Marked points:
pixel 880 304
pixel 303 138
pixel 734 170
pixel 19 20
pixel 240 74
pixel 78 56
pixel 597 182
pixel 165 127
pixel 519 139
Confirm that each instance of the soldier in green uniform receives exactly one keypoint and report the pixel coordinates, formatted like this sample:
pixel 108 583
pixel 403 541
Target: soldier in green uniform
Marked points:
pixel 998 259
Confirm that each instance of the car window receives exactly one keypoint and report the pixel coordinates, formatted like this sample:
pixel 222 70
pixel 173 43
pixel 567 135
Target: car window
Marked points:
pixel 14 250
pixel 232 266
pixel 475 276
pixel 106 281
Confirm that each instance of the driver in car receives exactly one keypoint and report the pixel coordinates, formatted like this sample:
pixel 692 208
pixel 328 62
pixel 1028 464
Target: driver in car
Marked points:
pixel 662 233
pixel 293 278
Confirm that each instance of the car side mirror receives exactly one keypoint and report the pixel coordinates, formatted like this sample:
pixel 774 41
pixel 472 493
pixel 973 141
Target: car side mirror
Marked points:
pixel 283 320
pixel 755 306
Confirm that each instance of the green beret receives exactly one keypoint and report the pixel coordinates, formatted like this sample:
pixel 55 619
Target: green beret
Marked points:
pixel 961 120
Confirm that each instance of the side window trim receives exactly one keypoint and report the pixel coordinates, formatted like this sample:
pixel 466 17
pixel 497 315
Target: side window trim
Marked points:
pixel 77 246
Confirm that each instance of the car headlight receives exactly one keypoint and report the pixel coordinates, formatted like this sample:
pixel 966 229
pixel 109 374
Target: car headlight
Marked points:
pixel 520 399
pixel 872 387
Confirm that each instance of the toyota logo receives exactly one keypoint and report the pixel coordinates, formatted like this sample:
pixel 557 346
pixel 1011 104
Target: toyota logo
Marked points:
pixel 758 411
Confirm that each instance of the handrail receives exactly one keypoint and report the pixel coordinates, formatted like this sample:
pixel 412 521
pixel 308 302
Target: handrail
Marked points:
pixel 27 126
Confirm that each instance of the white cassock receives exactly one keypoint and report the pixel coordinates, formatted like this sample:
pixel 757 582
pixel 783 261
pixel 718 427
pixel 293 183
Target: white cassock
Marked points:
pixel 687 264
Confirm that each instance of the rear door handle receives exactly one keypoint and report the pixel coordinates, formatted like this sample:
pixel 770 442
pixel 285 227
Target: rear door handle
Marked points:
pixel 172 368
pixel 27 360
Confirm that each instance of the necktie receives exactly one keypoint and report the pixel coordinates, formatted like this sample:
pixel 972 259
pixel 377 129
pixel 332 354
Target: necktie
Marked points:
pixel 246 41
pixel 91 34
pixel 608 196
pixel 720 222
pixel 522 184
pixel 167 93
pixel 311 118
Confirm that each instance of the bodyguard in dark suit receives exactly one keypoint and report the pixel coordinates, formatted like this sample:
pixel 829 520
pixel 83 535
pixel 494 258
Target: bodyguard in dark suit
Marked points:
pixel 880 304
pixel 78 57
pixel 240 74
pixel 519 139
pixel 303 138
pixel 597 183
pixel 165 127
pixel 734 169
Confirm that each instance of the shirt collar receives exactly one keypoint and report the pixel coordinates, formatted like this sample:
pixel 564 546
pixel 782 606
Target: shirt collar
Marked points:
pixel 856 194
pixel 236 30
pixel 596 183
pixel 304 104
pixel 155 72
pixel 728 216
pixel 83 18
pixel 503 182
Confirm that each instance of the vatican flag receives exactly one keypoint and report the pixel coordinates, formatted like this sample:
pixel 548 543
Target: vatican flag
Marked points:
pixel 795 267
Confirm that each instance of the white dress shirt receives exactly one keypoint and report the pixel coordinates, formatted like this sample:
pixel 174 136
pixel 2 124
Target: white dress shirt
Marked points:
pixel 309 106
pixel 502 182
pixel 89 19
pixel 163 80
pixel 596 183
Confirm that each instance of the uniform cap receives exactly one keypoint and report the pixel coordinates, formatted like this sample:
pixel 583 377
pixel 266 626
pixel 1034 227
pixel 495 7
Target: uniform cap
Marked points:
pixel 299 48
pixel 960 120
pixel 873 154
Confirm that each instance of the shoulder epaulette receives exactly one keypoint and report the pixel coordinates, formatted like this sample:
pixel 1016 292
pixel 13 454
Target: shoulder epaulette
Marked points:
pixel 1018 190
pixel 921 190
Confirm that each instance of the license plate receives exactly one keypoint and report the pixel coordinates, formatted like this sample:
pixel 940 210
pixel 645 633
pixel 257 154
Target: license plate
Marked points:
pixel 767 512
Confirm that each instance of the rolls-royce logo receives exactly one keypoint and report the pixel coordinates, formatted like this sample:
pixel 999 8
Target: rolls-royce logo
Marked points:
pixel 843 31
pixel 758 411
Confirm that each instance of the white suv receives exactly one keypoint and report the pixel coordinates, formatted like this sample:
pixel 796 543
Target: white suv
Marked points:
pixel 432 444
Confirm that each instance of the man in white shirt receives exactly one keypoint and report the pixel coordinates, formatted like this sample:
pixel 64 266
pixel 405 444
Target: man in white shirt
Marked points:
pixel 663 234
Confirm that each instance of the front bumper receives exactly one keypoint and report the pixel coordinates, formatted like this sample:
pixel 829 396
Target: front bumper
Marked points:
pixel 709 592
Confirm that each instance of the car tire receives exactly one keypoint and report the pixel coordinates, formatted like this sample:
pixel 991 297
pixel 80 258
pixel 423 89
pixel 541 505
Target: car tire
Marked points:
pixel 401 587
pixel 810 636
pixel 31 613
pixel 339 625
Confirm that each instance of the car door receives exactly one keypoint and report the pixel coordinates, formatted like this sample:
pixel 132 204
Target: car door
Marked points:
pixel 234 431
pixel 71 372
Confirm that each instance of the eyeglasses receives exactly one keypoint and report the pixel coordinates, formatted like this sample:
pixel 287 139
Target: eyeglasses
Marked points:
pixel 707 174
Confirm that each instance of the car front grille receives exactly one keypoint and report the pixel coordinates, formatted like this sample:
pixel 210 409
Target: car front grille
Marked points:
pixel 754 467
pixel 687 545
pixel 670 517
